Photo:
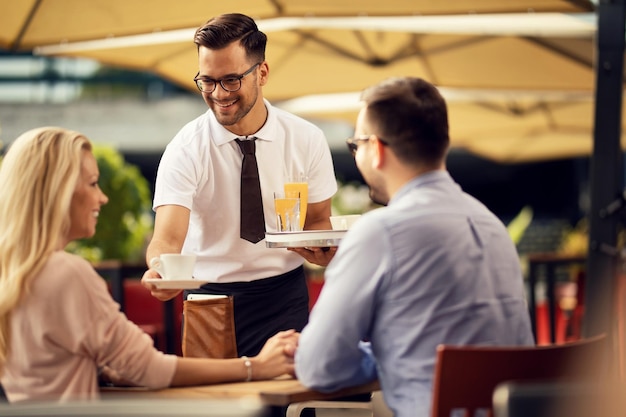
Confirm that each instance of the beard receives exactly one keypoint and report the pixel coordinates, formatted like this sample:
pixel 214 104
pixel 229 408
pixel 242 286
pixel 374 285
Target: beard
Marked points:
pixel 228 118
pixel 377 190
pixel 378 198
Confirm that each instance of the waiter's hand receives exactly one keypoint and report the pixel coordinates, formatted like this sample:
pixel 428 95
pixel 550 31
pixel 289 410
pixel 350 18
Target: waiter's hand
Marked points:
pixel 317 256
pixel 159 294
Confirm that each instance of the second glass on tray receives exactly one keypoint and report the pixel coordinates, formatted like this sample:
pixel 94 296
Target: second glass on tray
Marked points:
pixel 299 183
pixel 287 207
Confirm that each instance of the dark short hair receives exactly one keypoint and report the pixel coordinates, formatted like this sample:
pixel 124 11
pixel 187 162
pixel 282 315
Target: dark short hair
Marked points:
pixel 225 29
pixel 410 115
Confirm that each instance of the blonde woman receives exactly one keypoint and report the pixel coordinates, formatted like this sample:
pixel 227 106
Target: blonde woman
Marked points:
pixel 58 324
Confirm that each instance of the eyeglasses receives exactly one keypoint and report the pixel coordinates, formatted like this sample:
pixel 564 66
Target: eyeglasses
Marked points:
pixel 354 141
pixel 230 84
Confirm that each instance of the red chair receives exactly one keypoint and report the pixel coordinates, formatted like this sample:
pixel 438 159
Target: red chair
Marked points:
pixel 466 376
pixel 145 311
pixel 314 286
pixel 153 316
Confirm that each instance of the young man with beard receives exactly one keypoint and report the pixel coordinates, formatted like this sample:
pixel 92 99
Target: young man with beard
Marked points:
pixel 197 194
pixel 434 266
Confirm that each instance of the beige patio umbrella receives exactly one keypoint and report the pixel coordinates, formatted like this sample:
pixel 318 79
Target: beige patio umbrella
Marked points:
pixel 331 55
pixel 328 55
pixel 504 126
pixel 526 93
pixel 25 24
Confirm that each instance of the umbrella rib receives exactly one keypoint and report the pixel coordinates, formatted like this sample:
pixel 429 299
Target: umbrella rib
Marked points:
pixel 546 110
pixel 366 46
pixel 335 48
pixel 407 50
pixel 25 26
pixel 419 52
pixel 558 51
pixel 584 5
pixel 461 43
pixel 411 48
pixel 561 52
pixel 280 9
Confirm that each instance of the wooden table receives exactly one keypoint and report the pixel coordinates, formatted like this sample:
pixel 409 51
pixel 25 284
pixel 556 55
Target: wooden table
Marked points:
pixel 278 392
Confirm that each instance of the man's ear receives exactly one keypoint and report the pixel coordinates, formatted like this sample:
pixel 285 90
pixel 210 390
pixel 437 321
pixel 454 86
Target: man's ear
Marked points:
pixel 264 70
pixel 378 159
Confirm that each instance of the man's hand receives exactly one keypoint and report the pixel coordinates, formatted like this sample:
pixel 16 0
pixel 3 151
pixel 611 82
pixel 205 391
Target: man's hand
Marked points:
pixel 162 295
pixel 317 256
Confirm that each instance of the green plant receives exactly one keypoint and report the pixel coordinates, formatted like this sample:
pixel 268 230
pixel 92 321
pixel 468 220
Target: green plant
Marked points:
pixel 351 198
pixel 126 221
pixel 517 227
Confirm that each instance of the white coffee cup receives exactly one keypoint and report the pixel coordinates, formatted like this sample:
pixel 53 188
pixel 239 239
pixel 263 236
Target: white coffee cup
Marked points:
pixel 174 265
pixel 343 222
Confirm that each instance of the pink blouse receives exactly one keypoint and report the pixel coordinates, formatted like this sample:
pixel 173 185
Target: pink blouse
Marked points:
pixel 65 328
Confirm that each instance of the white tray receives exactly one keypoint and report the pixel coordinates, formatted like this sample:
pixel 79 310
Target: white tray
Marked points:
pixel 307 238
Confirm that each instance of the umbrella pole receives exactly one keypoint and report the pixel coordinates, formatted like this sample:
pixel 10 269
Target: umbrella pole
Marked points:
pixel 606 172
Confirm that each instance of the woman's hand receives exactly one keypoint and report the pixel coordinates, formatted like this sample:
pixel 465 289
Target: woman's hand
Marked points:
pixel 276 357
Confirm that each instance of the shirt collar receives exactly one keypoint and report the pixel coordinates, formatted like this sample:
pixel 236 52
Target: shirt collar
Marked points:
pixel 421 180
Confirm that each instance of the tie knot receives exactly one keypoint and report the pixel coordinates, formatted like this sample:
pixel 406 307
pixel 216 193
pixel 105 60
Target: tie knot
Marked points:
pixel 247 146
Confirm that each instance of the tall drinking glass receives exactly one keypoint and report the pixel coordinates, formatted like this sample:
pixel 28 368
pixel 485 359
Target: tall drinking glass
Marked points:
pixel 299 184
pixel 287 206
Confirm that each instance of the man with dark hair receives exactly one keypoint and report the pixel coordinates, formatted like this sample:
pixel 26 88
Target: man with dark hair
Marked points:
pixel 199 208
pixel 433 267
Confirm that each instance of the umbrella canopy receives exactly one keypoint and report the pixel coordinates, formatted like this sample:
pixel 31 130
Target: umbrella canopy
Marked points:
pixel 315 55
pixel 331 55
pixel 504 126
pixel 519 86
pixel 25 24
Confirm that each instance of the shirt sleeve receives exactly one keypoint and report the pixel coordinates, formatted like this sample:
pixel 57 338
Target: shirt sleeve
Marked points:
pixel 178 174
pixel 94 327
pixel 322 180
pixel 331 353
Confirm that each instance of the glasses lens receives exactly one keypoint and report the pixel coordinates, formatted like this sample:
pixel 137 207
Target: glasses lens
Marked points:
pixel 205 86
pixel 352 147
pixel 231 84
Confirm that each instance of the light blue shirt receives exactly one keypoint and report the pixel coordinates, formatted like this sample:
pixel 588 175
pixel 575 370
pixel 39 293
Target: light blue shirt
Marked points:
pixel 433 267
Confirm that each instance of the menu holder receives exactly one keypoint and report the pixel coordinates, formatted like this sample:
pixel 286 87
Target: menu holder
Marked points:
pixel 304 239
pixel 209 328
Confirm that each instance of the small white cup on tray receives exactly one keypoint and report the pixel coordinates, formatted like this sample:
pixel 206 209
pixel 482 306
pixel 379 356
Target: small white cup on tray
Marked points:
pixel 344 222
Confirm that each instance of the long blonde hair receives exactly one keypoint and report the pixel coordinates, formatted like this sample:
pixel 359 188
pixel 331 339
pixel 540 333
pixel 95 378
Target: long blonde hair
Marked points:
pixel 38 177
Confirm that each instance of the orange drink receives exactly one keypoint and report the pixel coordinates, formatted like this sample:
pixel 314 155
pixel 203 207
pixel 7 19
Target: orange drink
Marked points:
pixel 287 207
pixel 300 186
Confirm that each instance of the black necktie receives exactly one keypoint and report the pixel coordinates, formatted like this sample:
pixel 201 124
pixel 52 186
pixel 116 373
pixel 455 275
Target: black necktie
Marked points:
pixel 251 205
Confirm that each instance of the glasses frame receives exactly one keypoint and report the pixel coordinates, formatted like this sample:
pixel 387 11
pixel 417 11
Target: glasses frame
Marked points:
pixel 353 142
pixel 201 80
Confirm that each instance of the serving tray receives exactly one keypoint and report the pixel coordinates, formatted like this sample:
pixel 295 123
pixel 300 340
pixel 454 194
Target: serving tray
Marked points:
pixel 306 238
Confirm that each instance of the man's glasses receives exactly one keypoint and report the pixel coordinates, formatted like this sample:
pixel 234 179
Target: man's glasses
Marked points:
pixel 353 143
pixel 230 84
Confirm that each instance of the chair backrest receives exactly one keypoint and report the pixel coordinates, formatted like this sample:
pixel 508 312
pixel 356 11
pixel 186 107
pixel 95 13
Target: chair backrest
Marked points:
pixel 466 376
pixel 155 317
pixel 139 305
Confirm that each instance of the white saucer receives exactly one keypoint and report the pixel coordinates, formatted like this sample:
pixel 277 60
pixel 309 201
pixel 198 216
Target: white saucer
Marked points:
pixel 175 284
